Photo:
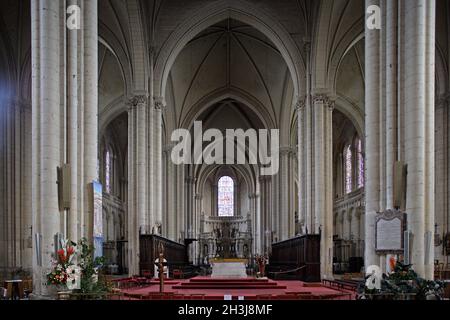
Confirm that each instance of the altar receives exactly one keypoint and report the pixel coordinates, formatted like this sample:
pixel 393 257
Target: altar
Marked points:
pixel 225 238
pixel 229 268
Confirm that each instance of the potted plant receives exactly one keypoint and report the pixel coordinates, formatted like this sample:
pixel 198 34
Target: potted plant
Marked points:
pixel 90 267
pixel 402 284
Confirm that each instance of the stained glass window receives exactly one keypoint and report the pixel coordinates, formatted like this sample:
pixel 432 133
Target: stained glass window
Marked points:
pixel 225 196
pixel 348 168
pixel 360 164
pixel 108 169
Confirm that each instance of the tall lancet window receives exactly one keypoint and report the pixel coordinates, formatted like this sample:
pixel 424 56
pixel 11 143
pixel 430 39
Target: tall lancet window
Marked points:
pixel 108 170
pixel 225 195
pixel 348 169
pixel 360 163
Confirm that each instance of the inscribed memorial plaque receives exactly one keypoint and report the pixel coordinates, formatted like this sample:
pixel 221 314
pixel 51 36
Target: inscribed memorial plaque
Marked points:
pixel 389 229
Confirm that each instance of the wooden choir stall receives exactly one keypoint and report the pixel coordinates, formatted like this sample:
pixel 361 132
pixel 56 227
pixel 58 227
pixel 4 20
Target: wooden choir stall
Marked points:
pixel 174 252
pixel 296 258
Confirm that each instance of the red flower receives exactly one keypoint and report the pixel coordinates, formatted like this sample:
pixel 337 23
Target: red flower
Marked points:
pixel 392 263
pixel 61 255
pixel 70 251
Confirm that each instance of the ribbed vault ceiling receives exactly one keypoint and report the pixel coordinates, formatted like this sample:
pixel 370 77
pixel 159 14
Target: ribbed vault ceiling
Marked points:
pixel 229 56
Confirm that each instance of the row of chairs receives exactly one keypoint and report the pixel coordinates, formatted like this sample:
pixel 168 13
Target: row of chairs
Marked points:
pixel 176 274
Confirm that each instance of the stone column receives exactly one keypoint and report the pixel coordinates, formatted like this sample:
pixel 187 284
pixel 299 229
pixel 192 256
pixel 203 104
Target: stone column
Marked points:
pixel 156 159
pixel 189 193
pixel 264 213
pixel 171 195
pixel 293 202
pixel 301 156
pixel 419 130
pixel 372 129
pixel 139 220
pixel 181 211
pixel 285 209
pixel 252 198
pixel 274 201
pixel 132 228
pixel 189 211
pixel 90 100
pixel 197 215
pixel 74 114
pixel 306 148
pixel 323 180
pixel 81 146
pixel 258 214
pixel 400 102
pixel 15 185
pixel 391 97
pixel 46 147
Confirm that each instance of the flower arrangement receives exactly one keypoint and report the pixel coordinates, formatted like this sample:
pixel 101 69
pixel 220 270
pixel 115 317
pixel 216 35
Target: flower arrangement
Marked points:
pixel 63 260
pixel 261 261
pixel 81 276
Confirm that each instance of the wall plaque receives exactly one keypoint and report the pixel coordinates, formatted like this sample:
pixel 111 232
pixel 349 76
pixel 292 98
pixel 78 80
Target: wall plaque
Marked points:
pixel 389 231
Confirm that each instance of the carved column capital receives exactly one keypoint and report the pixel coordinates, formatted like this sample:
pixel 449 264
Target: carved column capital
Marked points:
pixel 300 104
pixel 159 103
pixel 136 100
pixel 325 100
